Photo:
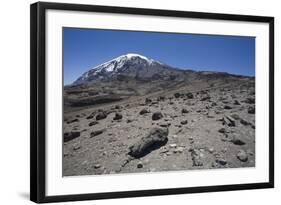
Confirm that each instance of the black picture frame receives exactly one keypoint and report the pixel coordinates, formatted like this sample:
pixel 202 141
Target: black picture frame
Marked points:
pixel 38 101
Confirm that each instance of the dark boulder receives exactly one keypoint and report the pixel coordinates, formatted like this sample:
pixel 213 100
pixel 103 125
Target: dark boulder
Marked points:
pixel 205 97
pixel 197 158
pixel 161 98
pixel 242 156
pixel 236 102
pixel 227 107
pixel 250 100
pixel 70 136
pixel 221 161
pixel 97 132
pixel 184 110
pixel 189 95
pixel 93 123
pixel 251 110
pixel 222 130
pixel 92 115
pixel 118 116
pixel 148 100
pixel 184 122
pixel 244 122
pixel 177 95
pixel 73 120
pixel 156 138
pixel 144 111
pixel 101 115
pixel 237 140
pixel 157 116
pixel 228 121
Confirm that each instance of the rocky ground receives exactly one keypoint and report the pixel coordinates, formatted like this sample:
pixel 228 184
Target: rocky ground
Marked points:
pixel 186 128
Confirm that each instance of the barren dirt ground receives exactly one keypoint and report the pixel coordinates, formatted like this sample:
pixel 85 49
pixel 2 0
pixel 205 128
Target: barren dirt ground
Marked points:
pixel 212 128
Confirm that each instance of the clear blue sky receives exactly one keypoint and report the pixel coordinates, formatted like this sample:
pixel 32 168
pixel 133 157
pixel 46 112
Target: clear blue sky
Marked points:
pixel 87 48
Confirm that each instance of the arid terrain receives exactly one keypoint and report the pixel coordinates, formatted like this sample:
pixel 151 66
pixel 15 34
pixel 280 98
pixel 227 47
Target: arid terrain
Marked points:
pixel 194 120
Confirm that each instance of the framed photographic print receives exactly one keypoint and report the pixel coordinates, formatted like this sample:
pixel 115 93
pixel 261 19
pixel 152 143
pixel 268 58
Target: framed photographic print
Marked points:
pixel 129 102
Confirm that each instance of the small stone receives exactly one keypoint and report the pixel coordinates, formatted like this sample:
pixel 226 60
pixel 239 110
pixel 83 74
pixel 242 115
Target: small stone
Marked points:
pixel 179 131
pixel 96 166
pixel 196 157
pixel 157 116
pixel 211 114
pixel 250 100
pixel 129 120
pixel 227 107
pixel 224 150
pixel 184 110
pixel 222 130
pixel 229 121
pixel 139 165
pixel 91 116
pixel 101 115
pixel 144 111
pixel 148 100
pixel 189 95
pixel 74 120
pixel 244 122
pixel 242 156
pixel 204 98
pixel 76 147
pixel 93 123
pixel 235 116
pixel 97 132
pixel 236 102
pixel 184 122
pixel 213 104
pixel 221 161
pixel 118 116
pixel 177 95
pixel 165 124
pixel 179 150
pixel 65 154
pixel 70 136
pixel 117 107
pixel 251 110
pixel 173 145
pixel 211 150
pixel 250 152
pixel 237 140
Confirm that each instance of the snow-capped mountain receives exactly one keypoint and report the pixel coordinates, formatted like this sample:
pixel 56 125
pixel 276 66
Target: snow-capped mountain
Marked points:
pixel 129 65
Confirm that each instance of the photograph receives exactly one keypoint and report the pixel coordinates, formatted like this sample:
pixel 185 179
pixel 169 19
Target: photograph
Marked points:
pixel 139 101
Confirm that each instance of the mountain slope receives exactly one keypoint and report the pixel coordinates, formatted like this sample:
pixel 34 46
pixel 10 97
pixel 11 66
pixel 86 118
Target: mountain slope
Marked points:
pixel 135 75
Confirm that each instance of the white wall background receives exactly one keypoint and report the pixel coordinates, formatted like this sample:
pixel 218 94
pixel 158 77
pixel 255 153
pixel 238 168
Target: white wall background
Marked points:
pixel 14 101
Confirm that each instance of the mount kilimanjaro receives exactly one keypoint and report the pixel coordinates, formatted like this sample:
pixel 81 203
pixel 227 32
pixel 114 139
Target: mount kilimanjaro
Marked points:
pixel 133 66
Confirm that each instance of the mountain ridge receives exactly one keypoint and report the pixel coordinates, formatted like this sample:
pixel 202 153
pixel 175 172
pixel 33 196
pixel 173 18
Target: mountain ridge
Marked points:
pixel 133 65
